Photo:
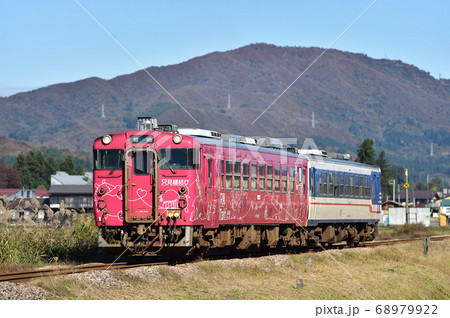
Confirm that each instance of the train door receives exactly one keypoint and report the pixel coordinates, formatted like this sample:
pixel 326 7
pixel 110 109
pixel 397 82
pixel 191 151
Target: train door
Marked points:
pixel 209 186
pixel 375 186
pixel 139 185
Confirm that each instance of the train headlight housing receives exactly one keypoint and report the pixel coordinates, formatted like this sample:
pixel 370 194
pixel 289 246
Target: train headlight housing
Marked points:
pixel 170 214
pixel 177 139
pixel 106 139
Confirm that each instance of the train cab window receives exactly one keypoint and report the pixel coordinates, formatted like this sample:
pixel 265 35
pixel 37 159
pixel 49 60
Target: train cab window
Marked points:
pixel 237 175
pixel 222 173
pixel 178 158
pixel 269 178
pixel 262 178
pixel 254 177
pixel 284 179
pixel 341 184
pixel 245 176
pixel 292 180
pixel 229 175
pixel 276 180
pixel 143 163
pixel 312 184
pixel 108 159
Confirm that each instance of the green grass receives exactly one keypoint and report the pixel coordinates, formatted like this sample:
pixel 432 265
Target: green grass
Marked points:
pixel 22 247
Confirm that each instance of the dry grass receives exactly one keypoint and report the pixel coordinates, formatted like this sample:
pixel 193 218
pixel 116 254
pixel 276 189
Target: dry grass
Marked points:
pixel 274 277
pixel 410 231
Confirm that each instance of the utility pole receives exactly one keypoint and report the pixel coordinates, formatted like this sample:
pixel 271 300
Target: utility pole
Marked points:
pixel 406 191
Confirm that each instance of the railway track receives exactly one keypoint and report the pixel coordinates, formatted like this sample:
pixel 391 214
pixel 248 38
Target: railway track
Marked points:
pixel 23 276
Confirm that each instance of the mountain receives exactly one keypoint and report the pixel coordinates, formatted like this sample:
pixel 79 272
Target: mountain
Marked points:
pixel 353 97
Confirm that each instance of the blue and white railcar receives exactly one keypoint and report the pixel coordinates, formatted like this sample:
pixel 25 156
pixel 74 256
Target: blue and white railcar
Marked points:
pixel 343 192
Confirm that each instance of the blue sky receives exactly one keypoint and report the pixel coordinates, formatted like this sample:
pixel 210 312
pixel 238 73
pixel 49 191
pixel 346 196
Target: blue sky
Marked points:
pixel 54 41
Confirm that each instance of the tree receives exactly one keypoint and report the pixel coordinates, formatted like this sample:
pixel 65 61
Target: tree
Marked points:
pixel 383 164
pixel 436 184
pixel 420 186
pixel 22 169
pixel 366 153
pixel 9 178
pixel 67 165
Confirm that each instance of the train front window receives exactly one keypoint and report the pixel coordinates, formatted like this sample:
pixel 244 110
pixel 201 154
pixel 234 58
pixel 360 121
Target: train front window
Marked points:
pixel 178 158
pixel 108 159
pixel 143 163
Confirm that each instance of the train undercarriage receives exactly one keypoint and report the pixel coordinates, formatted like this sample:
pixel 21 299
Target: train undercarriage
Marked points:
pixel 190 240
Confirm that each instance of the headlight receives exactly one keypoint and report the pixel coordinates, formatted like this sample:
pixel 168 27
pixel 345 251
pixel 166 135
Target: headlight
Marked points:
pixel 176 215
pixel 177 139
pixel 106 139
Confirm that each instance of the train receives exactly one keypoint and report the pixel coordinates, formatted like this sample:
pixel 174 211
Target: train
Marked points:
pixel 161 189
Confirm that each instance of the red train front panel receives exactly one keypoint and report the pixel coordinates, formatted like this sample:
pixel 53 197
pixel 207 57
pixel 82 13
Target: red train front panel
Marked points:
pixel 131 188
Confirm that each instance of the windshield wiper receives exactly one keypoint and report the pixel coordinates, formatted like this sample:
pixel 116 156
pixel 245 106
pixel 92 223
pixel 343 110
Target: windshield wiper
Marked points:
pixel 167 164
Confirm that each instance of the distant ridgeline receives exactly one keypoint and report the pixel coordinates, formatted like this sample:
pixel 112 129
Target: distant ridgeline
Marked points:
pixel 352 96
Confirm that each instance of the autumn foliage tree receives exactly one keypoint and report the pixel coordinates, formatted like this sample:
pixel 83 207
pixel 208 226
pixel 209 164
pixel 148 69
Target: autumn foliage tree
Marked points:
pixel 9 178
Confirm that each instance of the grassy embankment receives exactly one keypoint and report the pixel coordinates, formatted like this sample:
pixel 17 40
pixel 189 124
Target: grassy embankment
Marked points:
pixel 386 272
pixel 26 247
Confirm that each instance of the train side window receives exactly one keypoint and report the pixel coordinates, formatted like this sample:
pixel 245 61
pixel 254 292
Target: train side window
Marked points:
pixel 341 184
pixel 277 179
pixel 324 184
pixel 347 185
pixel 222 175
pixel 284 179
pixel 254 177
pixel 304 180
pixel 269 178
pixel 229 175
pixel 245 176
pixel 367 187
pixel 237 175
pixel 352 186
pixel 320 184
pixel 209 173
pixel 312 182
pixel 330 184
pixel 292 180
pixel 356 186
pixel 262 177
pixel 361 186
pixel 336 184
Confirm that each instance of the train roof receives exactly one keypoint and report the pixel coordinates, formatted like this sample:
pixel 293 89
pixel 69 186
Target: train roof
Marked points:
pixel 341 162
